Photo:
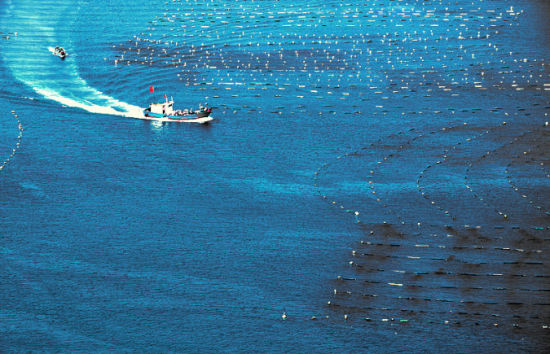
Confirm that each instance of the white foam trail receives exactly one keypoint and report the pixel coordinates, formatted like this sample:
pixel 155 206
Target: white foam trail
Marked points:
pixel 130 111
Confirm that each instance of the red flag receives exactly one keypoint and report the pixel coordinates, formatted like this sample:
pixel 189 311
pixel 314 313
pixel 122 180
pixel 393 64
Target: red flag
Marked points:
pixel 151 89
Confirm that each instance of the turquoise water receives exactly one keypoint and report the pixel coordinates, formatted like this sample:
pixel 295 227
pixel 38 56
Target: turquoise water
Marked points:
pixel 124 234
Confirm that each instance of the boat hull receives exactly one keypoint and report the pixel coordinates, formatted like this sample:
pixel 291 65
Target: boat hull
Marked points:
pixel 57 54
pixel 188 118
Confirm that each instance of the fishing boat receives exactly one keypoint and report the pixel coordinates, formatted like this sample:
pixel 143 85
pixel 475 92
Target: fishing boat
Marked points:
pixel 164 111
pixel 58 52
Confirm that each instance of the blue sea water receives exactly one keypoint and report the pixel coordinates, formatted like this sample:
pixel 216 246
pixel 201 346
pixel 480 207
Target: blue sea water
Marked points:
pixel 122 234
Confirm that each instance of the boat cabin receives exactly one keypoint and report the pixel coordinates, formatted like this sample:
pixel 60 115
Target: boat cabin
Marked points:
pixel 165 108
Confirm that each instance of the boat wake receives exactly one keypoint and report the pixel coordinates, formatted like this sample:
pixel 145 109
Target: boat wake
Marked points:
pixel 29 58
pixel 105 104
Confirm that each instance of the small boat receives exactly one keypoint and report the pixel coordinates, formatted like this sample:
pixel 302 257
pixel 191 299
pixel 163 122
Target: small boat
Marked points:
pixel 165 112
pixel 58 52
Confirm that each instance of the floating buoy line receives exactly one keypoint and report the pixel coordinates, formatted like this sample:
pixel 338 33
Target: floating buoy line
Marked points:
pixel 544 210
pixel 319 63
pixel 360 266
pixel 17 144
pixel 443 159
